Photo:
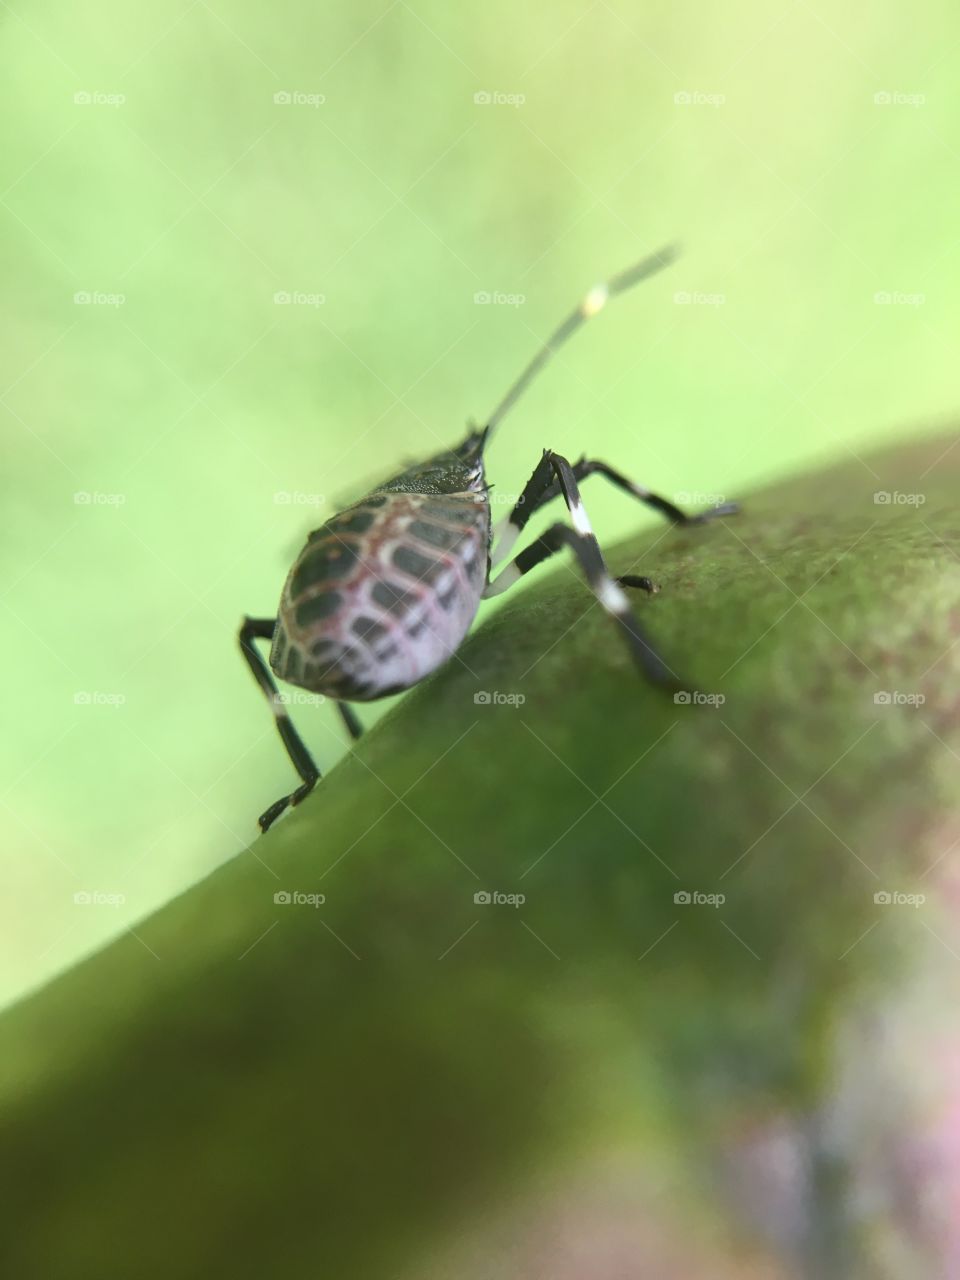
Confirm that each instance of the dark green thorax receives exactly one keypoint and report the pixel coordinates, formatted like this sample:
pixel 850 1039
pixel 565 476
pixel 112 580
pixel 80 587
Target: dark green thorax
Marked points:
pixel 456 470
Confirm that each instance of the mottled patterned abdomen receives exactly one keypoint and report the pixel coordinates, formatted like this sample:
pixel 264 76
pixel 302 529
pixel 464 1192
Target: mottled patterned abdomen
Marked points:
pixel 382 594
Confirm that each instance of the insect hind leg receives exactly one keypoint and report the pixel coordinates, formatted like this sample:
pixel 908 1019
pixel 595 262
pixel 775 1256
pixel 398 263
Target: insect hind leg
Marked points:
pixel 262 629
pixel 582 541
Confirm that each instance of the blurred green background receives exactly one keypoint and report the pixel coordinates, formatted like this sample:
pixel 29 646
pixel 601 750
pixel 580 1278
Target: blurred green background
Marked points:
pixel 172 430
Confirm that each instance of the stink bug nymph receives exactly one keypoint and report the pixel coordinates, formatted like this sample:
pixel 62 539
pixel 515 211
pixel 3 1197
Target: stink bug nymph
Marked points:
pixel 384 592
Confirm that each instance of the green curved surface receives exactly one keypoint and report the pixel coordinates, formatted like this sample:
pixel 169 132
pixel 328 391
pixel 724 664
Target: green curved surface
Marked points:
pixel 296 1090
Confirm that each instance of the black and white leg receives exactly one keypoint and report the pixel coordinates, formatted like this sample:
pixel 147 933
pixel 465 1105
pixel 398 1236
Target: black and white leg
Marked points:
pixel 583 543
pixel 262 629
pixel 543 486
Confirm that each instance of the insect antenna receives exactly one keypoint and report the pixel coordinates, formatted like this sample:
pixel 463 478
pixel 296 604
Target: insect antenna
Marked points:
pixel 594 301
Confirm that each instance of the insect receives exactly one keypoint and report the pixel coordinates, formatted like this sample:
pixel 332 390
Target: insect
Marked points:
pixel 385 591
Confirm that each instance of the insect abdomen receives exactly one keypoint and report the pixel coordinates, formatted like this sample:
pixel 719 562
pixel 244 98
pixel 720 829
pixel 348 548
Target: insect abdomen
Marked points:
pixel 382 594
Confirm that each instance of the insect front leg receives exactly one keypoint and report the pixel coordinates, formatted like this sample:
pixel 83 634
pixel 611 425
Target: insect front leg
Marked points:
pixel 262 629
pixel 582 541
pixel 676 515
pixel 543 486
